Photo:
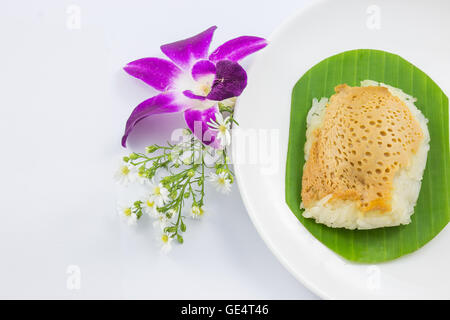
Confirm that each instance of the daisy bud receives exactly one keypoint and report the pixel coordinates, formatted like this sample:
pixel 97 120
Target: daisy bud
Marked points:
pixel 151 149
pixel 191 173
pixel 137 204
pixel 171 213
pixel 170 229
pixel 162 210
pixel 133 156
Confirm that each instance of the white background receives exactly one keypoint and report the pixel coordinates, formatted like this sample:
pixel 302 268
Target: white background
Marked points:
pixel 65 100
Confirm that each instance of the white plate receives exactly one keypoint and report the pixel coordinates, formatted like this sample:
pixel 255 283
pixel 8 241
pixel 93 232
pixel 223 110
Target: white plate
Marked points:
pixel 416 30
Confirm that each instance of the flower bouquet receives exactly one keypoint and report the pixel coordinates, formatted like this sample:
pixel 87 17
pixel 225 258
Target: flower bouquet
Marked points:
pixel 204 87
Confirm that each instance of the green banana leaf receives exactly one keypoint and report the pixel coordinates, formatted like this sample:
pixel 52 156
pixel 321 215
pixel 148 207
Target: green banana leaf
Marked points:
pixel 432 212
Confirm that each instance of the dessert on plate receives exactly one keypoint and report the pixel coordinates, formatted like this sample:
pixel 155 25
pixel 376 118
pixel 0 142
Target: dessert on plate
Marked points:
pixel 366 150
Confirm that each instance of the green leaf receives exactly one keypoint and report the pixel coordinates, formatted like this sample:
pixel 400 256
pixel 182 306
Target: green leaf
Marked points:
pixel 432 211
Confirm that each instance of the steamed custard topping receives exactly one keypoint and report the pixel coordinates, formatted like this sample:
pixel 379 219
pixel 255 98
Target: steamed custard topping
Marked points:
pixel 367 135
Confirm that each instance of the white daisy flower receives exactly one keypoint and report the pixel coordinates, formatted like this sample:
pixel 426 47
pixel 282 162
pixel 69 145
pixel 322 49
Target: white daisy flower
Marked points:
pixel 127 214
pixel 158 194
pixel 161 222
pixel 142 179
pixel 213 156
pixel 125 174
pixel 165 242
pixel 197 211
pixel 149 207
pixel 221 182
pixel 223 129
pixel 190 156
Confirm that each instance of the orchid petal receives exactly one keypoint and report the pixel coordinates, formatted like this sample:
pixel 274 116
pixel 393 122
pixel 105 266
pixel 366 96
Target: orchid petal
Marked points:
pixel 238 48
pixel 203 68
pixel 230 81
pixel 197 121
pixel 185 51
pixel 161 103
pixel 191 95
pixel 156 72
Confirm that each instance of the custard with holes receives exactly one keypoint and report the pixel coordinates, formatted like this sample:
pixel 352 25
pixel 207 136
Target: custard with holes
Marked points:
pixel 365 155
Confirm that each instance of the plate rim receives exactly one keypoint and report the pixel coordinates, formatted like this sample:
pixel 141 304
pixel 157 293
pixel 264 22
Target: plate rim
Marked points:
pixel 237 171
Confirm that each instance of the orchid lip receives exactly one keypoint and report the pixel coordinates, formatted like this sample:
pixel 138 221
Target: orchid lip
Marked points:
pixel 230 81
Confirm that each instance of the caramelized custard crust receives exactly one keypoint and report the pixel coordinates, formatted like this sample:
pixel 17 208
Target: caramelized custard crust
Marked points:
pixel 366 136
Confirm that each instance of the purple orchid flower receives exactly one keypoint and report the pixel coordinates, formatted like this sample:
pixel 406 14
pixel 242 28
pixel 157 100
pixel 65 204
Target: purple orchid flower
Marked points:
pixel 192 82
